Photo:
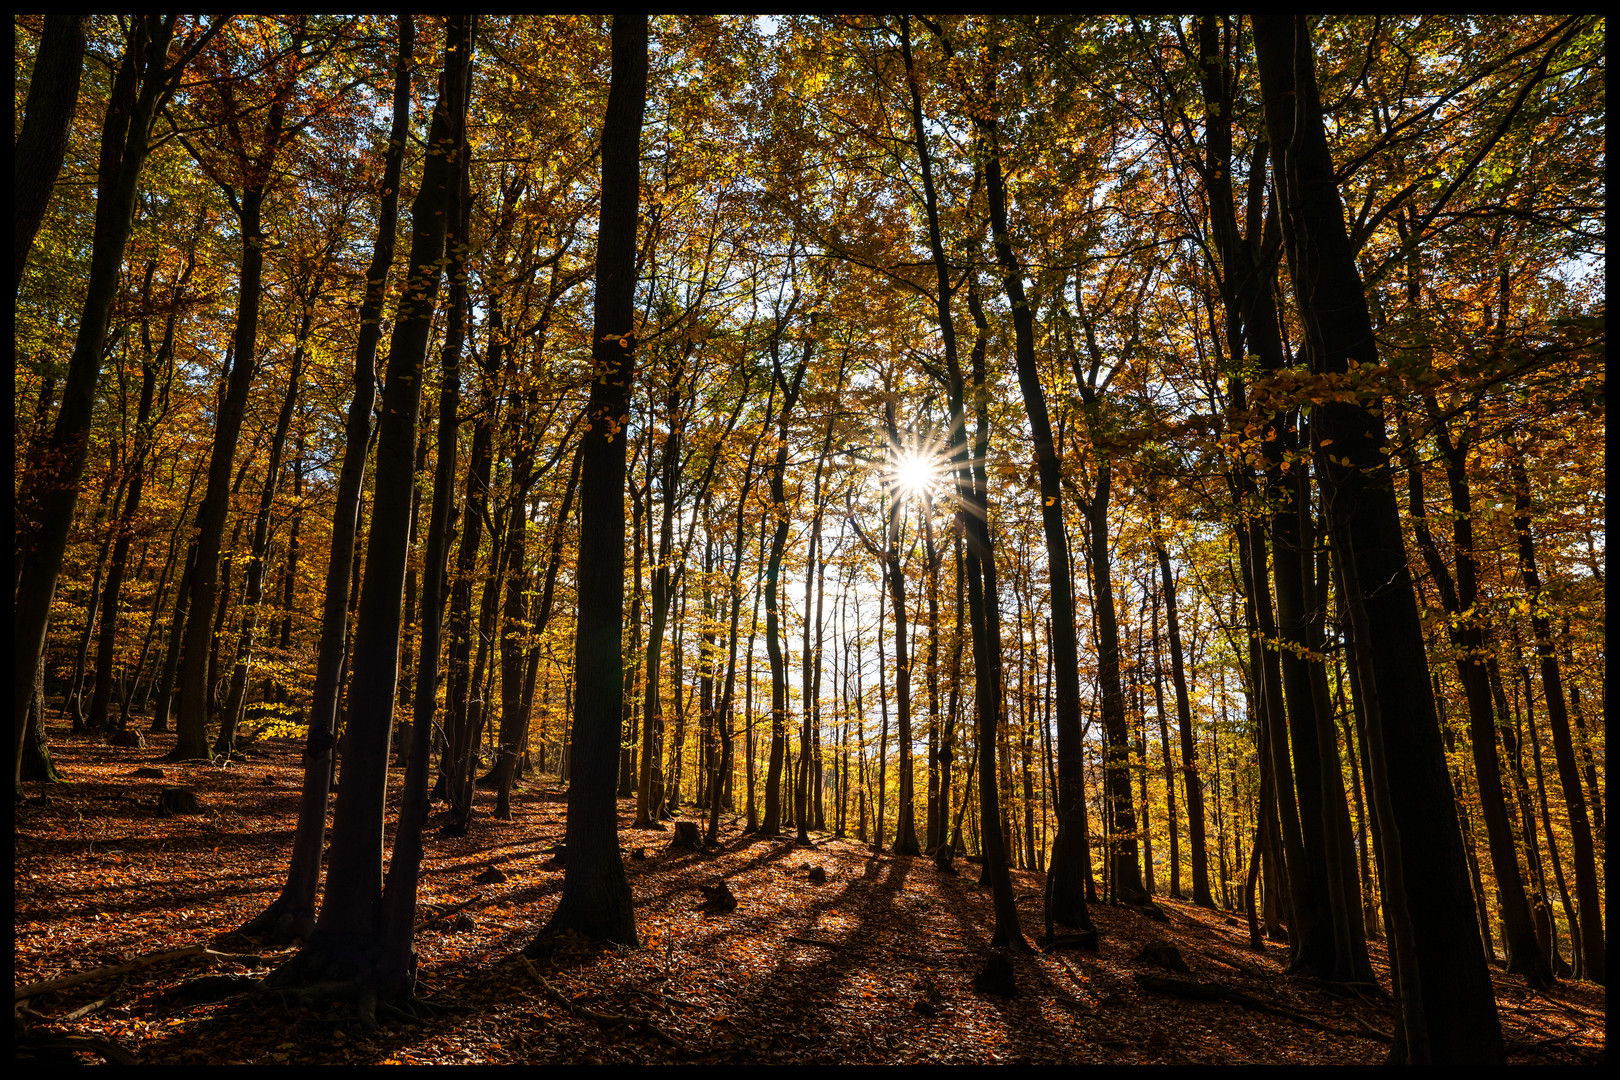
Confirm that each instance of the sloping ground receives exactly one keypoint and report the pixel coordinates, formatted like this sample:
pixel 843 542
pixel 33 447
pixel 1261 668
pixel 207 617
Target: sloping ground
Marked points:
pixel 798 973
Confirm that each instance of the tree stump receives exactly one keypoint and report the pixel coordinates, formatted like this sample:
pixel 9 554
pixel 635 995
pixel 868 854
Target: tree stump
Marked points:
pixel 1161 952
pixel 129 739
pixel 945 859
pixel 688 837
pixel 718 898
pixel 148 772
pixel 494 875
pixel 997 976
pixel 929 999
pixel 178 800
pixel 817 876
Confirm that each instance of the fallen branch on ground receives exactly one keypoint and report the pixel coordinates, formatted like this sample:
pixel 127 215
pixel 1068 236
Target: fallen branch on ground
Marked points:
pixel 1211 991
pixel 36 1041
pixel 48 986
pixel 600 1017
pixel 446 913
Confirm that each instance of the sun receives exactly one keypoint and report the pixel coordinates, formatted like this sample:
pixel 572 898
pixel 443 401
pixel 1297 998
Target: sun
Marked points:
pixel 915 473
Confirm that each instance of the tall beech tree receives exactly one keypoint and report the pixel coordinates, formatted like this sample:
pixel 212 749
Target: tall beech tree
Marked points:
pixel 245 175
pixel 1068 887
pixel 364 934
pixel 596 898
pixel 1447 1011
pixel 49 486
pixel 292 914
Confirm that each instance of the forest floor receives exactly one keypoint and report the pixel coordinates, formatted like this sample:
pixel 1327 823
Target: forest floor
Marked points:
pixel 798 973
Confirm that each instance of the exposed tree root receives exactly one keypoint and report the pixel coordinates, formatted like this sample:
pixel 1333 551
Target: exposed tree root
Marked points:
pixel 48 986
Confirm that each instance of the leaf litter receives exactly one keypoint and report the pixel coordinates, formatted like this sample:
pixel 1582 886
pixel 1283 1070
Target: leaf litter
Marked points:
pixel 874 965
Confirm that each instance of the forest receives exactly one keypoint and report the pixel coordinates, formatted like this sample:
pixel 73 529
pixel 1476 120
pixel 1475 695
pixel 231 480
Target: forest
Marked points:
pixel 853 539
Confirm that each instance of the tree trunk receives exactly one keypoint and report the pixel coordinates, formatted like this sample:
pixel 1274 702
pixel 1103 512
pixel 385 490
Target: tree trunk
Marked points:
pixel 1447 1007
pixel 1569 774
pixel 49 487
pixel 236 700
pixel 596 899
pixel 364 932
pixel 1068 885
pixel 1467 631
pixel 36 159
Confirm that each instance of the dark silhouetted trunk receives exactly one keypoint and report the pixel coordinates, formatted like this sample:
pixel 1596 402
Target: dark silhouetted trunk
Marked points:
pixel 1447 1008
pixel 36 158
pixel 596 900
pixel 292 914
pixel 49 487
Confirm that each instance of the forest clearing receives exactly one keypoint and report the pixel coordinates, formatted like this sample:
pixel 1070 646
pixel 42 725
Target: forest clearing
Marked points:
pixel 103 878
pixel 1050 530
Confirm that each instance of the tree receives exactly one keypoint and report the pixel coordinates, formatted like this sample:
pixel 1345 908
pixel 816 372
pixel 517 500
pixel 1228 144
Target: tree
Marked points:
pixel 1447 1010
pixel 292 914
pixel 49 485
pixel 36 159
pixel 365 931
pixel 596 897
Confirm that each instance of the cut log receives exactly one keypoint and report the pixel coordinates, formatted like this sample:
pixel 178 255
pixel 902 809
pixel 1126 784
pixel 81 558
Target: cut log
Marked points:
pixel 178 800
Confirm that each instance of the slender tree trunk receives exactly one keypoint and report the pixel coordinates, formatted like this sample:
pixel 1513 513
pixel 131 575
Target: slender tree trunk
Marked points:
pixel 1569 774
pixel 1467 630
pixel 49 487
pixel 236 699
pixel 107 643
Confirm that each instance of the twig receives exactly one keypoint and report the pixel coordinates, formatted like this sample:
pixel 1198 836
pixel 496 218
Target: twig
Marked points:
pixel 817 941
pixel 594 1014
pixel 85 1010
pixel 446 913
